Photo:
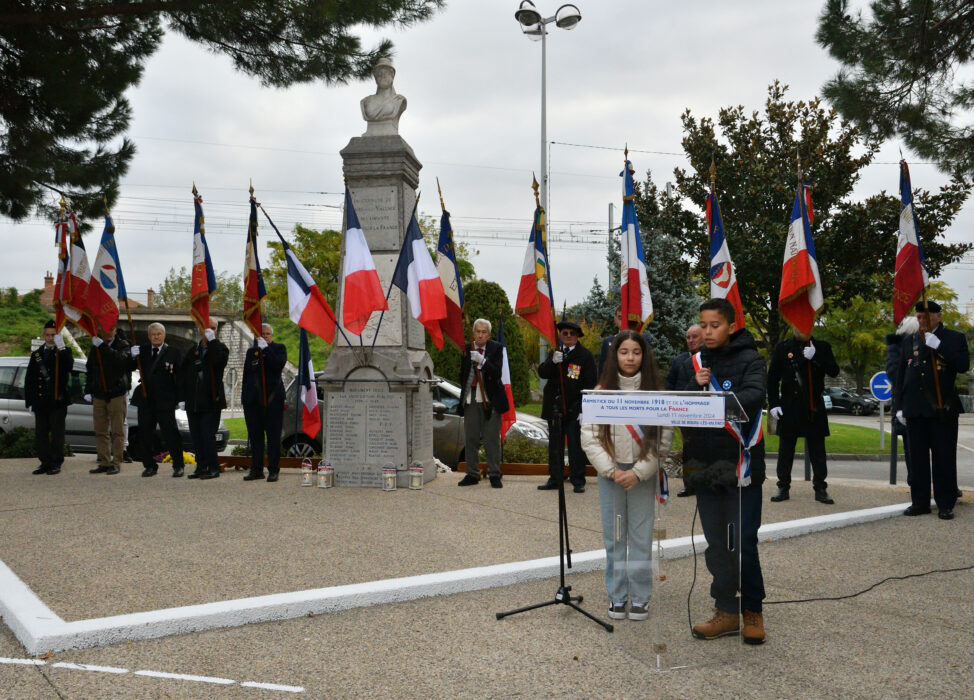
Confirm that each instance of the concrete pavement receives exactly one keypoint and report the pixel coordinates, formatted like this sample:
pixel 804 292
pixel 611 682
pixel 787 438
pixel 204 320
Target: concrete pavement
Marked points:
pixel 95 545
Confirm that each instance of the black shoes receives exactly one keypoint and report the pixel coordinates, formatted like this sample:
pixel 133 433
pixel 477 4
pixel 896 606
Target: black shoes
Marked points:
pixel 125 457
pixel 112 470
pixel 40 470
pixel 210 474
pixel 687 491
pixel 53 470
pixel 198 473
pixel 469 480
pixel 822 496
pixel 254 476
pixel 782 495
pixel 913 510
pixel 945 513
pixel 177 472
pixel 99 470
pixel 150 471
pixel 578 488
pixel 271 476
pixel 495 482
pixel 549 485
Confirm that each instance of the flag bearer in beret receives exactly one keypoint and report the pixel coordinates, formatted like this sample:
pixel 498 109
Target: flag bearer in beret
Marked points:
pixel 46 395
pixel 205 399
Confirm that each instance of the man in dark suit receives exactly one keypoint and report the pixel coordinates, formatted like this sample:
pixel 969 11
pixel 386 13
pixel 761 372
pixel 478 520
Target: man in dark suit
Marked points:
pixel 106 388
pixel 694 338
pixel 262 398
pixel 796 380
pixel 46 395
pixel 205 399
pixel 570 366
pixel 482 402
pixel 156 397
pixel 925 399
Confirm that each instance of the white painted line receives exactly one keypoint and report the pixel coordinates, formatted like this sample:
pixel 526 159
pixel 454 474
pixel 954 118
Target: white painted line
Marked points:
pixel 273 686
pixel 186 677
pixel 965 447
pixel 40 632
pixel 23 662
pixel 89 667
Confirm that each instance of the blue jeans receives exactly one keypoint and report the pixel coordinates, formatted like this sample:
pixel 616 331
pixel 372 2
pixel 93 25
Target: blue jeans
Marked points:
pixel 627 532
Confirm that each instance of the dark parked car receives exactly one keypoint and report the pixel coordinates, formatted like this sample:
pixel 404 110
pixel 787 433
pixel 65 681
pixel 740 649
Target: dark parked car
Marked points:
pixel 844 401
pixel 448 437
pixel 79 432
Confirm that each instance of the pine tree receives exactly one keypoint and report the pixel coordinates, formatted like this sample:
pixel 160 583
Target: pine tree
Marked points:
pixel 899 70
pixel 65 67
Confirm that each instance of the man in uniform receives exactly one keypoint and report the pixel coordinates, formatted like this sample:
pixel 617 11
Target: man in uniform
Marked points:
pixel 482 402
pixel 46 396
pixel 694 338
pixel 156 398
pixel 796 380
pixel 570 366
pixel 925 399
pixel 262 398
pixel 106 387
pixel 205 399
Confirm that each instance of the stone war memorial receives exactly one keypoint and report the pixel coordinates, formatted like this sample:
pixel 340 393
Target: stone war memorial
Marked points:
pixel 378 404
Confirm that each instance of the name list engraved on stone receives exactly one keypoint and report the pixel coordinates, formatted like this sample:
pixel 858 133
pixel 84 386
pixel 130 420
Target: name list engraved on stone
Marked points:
pixel 378 212
pixel 366 430
pixel 423 426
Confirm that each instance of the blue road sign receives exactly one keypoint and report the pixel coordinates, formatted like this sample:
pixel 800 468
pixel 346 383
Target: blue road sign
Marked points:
pixel 881 387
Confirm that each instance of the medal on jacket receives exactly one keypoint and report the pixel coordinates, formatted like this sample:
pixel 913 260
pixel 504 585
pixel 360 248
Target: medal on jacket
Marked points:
pixel 574 371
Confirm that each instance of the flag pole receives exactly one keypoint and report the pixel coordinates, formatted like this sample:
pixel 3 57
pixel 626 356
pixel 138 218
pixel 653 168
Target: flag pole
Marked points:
pixel 391 280
pixel 804 211
pixel 67 273
pixel 252 244
pixel 551 300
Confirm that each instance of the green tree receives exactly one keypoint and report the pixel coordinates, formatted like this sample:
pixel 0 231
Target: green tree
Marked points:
pixel 857 333
pixel 65 68
pixel 318 251
pixel 855 242
pixel 487 300
pixel 175 292
pixel 21 320
pixel 899 73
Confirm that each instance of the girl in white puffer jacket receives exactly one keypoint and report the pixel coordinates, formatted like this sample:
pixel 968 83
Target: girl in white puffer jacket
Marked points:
pixel 627 469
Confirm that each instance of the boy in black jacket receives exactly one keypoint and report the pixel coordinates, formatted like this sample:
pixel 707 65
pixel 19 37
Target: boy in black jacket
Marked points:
pixel 730 357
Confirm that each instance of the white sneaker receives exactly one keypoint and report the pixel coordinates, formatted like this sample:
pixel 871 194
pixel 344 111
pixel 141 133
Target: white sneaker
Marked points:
pixel 638 611
pixel 617 611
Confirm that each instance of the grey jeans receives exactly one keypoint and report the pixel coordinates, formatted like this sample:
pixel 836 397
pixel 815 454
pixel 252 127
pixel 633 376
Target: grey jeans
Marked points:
pixel 483 431
pixel 627 531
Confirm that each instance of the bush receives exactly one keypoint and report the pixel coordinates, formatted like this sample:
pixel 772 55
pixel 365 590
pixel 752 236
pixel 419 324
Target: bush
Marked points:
pixel 520 450
pixel 241 450
pixel 19 443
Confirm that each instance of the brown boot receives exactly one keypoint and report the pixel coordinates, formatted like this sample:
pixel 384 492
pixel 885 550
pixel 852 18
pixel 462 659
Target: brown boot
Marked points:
pixel 721 624
pixel 753 631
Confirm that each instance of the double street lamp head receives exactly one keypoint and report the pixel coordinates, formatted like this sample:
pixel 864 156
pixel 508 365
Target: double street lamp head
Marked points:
pixel 532 22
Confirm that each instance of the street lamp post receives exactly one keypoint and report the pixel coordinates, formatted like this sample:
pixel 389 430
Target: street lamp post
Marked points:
pixel 534 25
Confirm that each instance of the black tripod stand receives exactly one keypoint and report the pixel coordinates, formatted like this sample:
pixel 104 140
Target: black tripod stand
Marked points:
pixel 563 596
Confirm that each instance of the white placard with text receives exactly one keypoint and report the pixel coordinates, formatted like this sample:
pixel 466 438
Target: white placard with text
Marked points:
pixel 693 409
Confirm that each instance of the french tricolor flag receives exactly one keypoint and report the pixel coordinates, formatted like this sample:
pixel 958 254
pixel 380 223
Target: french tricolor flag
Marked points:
pixel 723 276
pixel 204 280
pixel 800 298
pixel 307 306
pixel 106 286
pixel 446 264
pixel 307 394
pixel 637 303
pixel 74 276
pixel 362 293
pixel 253 281
pixel 509 417
pixel 910 275
pixel 418 278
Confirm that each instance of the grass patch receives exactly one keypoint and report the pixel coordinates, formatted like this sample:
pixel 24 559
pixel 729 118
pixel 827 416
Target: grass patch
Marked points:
pixel 845 439
pixel 237 428
pixel 533 408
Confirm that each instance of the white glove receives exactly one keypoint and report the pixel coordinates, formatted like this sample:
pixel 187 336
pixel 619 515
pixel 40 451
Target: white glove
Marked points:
pixel 209 334
pixel 87 398
pixel 900 418
pixel 932 341
pixel 476 357
pixel 261 343
pixel 776 412
pixel 134 350
pixel 557 356
pixel 181 405
pixel 808 351
pixel 96 341
pixel 59 341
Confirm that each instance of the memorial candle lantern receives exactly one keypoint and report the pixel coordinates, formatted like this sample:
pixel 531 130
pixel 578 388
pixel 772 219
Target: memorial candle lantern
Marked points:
pixel 416 477
pixel 389 478
pixel 326 475
pixel 306 473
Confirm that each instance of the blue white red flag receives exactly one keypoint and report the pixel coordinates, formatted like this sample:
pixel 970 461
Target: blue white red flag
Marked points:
pixel 307 306
pixel 637 303
pixel 509 417
pixel 106 286
pixel 307 393
pixel 253 288
pixel 723 275
pixel 204 280
pixel 910 275
pixel 446 264
pixel 361 292
pixel 417 277
pixel 800 298
pixel 74 276
pixel 534 292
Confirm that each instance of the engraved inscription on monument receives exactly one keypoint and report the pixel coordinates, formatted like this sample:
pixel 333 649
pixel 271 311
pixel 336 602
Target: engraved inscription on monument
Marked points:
pixel 422 411
pixel 366 429
pixel 378 212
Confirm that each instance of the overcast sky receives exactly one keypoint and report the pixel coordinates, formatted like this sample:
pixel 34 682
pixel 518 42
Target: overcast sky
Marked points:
pixel 472 80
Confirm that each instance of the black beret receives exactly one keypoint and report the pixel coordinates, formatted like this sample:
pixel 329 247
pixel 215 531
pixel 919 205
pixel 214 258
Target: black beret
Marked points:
pixel 50 324
pixel 928 305
pixel 562 325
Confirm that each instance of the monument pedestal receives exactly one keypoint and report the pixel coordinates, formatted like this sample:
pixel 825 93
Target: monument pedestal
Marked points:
pixel 378 404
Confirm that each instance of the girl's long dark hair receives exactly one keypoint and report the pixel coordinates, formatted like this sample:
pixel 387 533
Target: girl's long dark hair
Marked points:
pixel 649 380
